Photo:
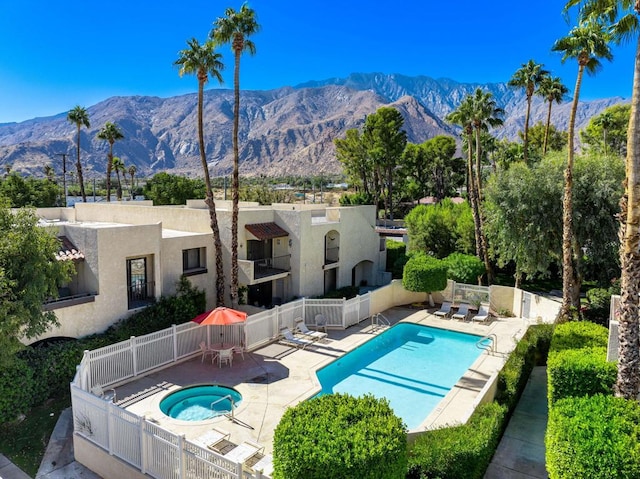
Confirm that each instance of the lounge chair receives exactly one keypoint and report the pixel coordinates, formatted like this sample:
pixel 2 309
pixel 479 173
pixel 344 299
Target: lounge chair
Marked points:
pixel 462 313
pixel 243 452
pixel 207 351
pixel 304 329
pixel 289 339
pixel 212 439
pixel 264 465
pixel 483 314
pixel 445 310
pixel 225 356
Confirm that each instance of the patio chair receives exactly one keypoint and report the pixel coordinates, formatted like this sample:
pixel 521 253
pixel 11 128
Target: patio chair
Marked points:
pixel 320 322
pixel 289 339
pixel 212 439
pixel 304 329
pixel 243 452
pixel 207 351
pixel 239 350
pixel 463 311
pixel 445 310
pixel 225 356
pixel 483 314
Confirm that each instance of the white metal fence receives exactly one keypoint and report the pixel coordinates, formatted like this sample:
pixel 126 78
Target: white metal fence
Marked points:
pixel 145 445
pixel 468 293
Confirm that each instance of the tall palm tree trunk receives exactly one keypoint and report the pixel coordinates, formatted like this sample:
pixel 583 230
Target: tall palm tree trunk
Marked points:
pixel 546 129
pixel 471 188
pixel 79 169
pixel 235 181
pixel 628 380
pixel 109 165
pixel 209 201
pixel 567 212
pixel 484 250
pixel 526 131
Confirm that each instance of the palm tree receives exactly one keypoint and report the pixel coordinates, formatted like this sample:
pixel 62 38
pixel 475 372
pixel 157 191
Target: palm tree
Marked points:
pixel 622 16
pixel 111 133
pixel 235 28
pixel 132 173
pixel 605 121
pixel 79 116
pixel 528 77
pixel 49 172
pixel 587 42
pixel 203 61
pixel 552 90
pixel 118 166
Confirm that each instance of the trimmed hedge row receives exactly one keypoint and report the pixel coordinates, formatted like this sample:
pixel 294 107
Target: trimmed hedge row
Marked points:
pixel 341 437
pixel 577 335
pixel 44 372
pixel 596 437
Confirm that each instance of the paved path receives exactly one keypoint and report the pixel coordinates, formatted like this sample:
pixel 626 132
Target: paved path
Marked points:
pixel 520 454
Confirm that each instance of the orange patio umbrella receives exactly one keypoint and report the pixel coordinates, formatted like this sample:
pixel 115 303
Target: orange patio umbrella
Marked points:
pixel 221 316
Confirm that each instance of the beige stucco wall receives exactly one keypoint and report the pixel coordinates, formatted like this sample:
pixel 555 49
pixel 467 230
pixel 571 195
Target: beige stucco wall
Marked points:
pixel 503 298
pixel 393 294
pixel 101 462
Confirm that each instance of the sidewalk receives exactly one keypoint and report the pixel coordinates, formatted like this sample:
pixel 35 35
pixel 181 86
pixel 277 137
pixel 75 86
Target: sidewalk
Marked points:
pixel 520 454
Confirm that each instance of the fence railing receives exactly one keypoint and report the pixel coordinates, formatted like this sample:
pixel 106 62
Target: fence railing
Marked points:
pixel 468 293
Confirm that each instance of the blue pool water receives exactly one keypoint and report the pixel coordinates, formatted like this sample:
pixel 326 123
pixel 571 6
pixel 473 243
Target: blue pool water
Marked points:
pixel 413 366
pixel 197 403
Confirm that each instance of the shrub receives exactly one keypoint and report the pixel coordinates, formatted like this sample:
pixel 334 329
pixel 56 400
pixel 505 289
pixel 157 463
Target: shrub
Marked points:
pixel 16 389
pixel 599 304
pixel 342 437
pixel 579 334
pixel 579 372
pixel 347 292
pixel 395 250
pixel 464 268
pixel 423 273
pixel 594 437
pixel 459 452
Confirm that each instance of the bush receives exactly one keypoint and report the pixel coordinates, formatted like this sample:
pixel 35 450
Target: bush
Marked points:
pixel 347 292
pixel 599 304
pixel 341 437
pixel 577 335
pixel 395 250
pixel 464 268
pixel 593 437
pixel 579 372
pixel 425 274
pixel 460 452
pixel 16 389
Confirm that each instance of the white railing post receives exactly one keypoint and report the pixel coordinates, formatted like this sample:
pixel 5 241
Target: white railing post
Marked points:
pixel 86 363
pixel 134 356
pixel 174 335
pixel 239 470
pixel 182 462
pixel 143 450
pixel 110 428
pixel 344 315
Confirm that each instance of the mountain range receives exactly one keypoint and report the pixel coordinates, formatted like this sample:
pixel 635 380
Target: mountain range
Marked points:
pixel 285 131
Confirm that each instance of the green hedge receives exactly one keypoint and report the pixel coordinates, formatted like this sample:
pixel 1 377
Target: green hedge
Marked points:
pixel 341 437
pixel 593 437
pixel 459 452
pixel 395 250
pixel 425 274
pixel 464 268
pixel 579 372
pixel 579 334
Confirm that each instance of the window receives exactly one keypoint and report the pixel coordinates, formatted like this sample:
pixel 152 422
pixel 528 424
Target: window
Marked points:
pixel 194 261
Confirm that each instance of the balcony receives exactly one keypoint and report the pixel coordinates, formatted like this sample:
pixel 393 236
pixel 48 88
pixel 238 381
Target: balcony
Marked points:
pixel 265 269
pixel 141 294
pixel 65 301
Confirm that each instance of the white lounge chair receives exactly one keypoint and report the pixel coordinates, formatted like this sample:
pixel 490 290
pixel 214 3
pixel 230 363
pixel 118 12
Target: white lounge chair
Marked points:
pixel 242 452
pixel 225 356
pixel 212 439
pixel 289 339
pixel 483 314
pixel 207 351
pixel 463 311
pixel 264 465
pixel 304 329
pixel 445 310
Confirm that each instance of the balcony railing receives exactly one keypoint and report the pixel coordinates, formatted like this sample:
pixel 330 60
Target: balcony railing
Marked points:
pixel 141 294
pixel 68 300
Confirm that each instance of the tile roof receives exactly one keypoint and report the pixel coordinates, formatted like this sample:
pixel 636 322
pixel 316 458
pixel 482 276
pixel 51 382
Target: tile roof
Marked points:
pixel 264 231
pixel 68 251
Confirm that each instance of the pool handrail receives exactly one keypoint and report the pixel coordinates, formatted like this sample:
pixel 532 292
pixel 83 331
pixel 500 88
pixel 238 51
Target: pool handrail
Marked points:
pixel 233 405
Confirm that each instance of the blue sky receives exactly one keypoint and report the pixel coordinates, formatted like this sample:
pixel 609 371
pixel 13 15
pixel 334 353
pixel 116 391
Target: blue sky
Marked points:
pixel 55 55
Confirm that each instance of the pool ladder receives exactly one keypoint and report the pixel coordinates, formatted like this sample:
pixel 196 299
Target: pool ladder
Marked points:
pixel 223 398
pixel 491 347
pixel 378 320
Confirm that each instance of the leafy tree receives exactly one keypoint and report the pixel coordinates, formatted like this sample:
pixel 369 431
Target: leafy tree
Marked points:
pixel 464 268
pixel 166 189
pixel 543 138
pixel 552 90
pixel 352 153
pixel 110 133
pixel 586 43
pixel 425 274
pixel 78 116
pixel 30 191
pixel 236 28
pixel 607 132
pixel 528 76
pixel 203 61
pixel 29 274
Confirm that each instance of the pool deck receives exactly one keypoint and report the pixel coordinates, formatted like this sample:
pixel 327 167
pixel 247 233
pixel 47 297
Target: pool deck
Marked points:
pixel 275 377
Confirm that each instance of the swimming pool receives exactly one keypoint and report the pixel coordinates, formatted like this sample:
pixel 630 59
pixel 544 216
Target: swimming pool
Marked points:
pixel 411 365
pixel 197 403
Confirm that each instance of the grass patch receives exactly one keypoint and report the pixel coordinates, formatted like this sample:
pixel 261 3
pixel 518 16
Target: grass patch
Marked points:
pixel 25 441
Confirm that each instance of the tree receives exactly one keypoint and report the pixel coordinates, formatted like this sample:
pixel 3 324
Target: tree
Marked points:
pixel 607 133
pixel 587 43
pixel 118 167
pixel 79 116
pixel 235 28
pixel 352 152
pixel 166 189
pixel 425 274
pixel 552 90
pixel 132 173
pixel 541 137
pixel 110 133
pixel 37 193
pixel 29 275
pixel 203 60
pixel 528 76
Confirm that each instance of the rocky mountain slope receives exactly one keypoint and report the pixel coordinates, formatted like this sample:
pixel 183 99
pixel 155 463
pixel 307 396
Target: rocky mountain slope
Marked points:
pixel 286 131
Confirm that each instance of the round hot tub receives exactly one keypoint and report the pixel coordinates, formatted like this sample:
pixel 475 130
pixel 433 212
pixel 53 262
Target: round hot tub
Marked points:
pixel 197 403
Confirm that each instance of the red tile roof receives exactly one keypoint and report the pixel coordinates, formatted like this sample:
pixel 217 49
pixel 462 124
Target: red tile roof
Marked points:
pixel 264 231
pixel 68 251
